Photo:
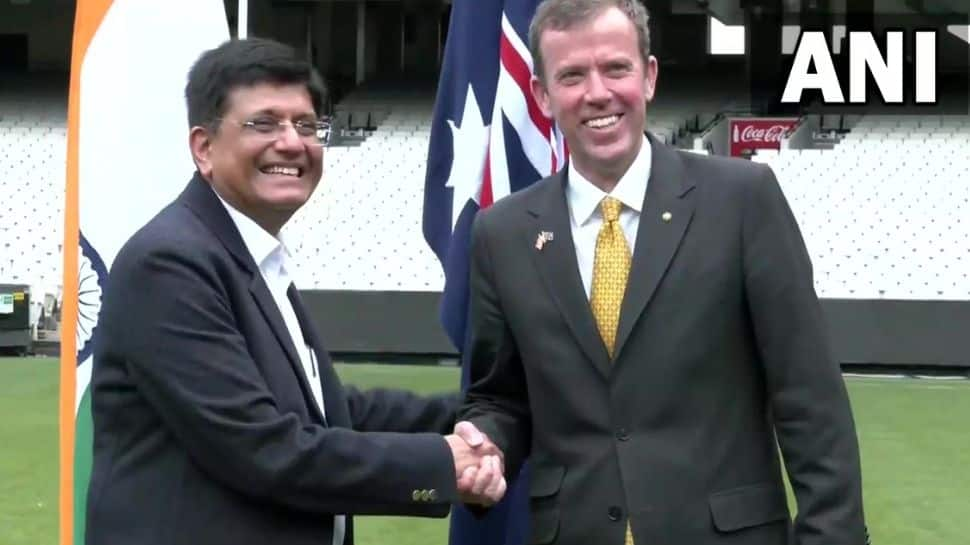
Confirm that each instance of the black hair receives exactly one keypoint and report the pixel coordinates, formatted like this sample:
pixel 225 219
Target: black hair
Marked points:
pixel 243 63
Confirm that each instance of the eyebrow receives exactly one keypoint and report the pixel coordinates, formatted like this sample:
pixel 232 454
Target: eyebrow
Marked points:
pixel 568 68
pixel 620 61
pixel 276 113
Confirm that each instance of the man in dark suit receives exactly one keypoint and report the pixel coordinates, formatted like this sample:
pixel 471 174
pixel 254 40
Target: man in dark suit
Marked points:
pixel 644 325
pixel 218 417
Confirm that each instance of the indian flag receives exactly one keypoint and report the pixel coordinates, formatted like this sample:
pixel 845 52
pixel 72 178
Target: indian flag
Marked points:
pixel 127 156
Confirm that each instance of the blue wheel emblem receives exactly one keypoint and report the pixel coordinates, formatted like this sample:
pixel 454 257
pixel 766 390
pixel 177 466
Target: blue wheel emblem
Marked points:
pixel 92 279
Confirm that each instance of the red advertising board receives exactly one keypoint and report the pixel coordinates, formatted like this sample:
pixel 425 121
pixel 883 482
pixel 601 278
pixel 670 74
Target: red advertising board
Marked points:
pixel 749 134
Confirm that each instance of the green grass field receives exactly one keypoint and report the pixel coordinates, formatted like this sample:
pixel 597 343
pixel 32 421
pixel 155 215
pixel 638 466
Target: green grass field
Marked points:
pixel 915 454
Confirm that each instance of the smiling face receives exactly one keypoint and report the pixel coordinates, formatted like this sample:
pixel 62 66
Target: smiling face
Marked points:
pixel 268 177
pixel 596 85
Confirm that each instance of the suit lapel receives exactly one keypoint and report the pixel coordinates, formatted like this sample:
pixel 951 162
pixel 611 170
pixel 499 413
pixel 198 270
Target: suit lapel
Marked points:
pixel 271 312
pixel 557 266
pixel 199 197
pixel 668 196
pixel 333 397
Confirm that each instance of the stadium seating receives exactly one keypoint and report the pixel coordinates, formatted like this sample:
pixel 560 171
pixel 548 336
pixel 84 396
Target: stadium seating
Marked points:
pixel 886 214
pixel 32 172
pixel 362 229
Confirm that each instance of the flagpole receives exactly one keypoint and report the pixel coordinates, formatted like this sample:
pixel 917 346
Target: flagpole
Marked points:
pixel 242 27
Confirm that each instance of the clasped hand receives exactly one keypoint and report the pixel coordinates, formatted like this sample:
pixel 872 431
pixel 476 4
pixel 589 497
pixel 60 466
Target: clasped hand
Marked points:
pixel 479 465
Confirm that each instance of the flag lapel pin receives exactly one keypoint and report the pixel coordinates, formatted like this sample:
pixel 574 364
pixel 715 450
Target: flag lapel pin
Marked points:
pixel 543 238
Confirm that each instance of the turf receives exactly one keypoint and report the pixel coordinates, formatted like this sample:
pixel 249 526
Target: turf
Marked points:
pixel 915 455
pixel 28 451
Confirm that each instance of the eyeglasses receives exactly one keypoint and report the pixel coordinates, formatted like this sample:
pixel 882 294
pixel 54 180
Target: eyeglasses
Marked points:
pixel 313 132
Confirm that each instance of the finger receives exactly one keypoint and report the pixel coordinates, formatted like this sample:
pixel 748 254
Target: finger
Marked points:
pixel 489 489
pixel 496 490
pixel 500 460
pixel 499 491
pixel 467 480
pixel 497 486
pixel 486 473
pixel 467 431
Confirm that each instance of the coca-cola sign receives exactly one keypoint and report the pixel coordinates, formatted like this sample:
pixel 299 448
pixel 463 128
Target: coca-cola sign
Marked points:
pixel 749 134
pixel 771 134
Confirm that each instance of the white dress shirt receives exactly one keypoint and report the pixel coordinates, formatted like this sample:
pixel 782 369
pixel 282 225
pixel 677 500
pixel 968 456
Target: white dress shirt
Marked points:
pixel 586 217
pixel 273 258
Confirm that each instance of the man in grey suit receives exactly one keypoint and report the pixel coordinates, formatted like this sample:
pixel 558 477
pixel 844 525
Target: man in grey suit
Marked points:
pixel 644 325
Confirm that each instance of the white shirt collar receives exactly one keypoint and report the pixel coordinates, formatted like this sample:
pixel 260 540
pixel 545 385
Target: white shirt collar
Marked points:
pixel 262 246
pixel 630 190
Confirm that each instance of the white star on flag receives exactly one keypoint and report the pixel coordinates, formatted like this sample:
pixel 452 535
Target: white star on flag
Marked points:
pixel 469 146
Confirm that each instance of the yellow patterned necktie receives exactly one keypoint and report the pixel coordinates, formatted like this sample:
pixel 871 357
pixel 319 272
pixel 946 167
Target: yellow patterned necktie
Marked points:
pixel 611 267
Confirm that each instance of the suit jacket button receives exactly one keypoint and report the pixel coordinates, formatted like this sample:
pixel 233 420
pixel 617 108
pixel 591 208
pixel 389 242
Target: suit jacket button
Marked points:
pixel 416 495
pixel 615 513
pixel 424 495
pixel 433 495
pixel 622 434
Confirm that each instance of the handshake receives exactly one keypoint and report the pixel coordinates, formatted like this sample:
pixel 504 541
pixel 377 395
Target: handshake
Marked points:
pixel 479 465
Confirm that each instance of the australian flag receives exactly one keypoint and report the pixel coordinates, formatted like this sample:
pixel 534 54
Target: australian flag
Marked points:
pixel 488 139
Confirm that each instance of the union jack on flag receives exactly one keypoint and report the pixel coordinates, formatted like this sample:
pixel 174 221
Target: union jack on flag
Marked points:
pixel 488 139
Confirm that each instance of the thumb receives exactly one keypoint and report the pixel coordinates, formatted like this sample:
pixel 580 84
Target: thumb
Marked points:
pixel 467 431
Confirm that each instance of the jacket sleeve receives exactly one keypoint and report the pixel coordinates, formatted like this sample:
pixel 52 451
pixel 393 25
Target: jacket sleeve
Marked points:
pixel 809 403
pixel 383 409
pixel 497 400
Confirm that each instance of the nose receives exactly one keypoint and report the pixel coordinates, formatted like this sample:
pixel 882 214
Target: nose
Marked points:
pixel 596 88
pixel 288 139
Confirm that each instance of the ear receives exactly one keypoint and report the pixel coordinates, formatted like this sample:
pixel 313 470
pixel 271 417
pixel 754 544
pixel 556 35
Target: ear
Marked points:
pixel 650 73
pixel 200 143
pixel 541 94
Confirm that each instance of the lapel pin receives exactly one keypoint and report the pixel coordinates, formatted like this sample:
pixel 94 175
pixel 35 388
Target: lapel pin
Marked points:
pixel 667 216
pixel 543 238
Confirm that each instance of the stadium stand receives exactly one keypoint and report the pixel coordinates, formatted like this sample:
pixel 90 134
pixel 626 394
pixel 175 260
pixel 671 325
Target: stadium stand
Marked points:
pixel 362 229
pixel 885 213
pixel 33 116
pixel 32 171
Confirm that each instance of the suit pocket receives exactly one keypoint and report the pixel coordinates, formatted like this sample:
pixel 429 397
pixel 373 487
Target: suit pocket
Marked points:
pixel 543 488
pixel 748 506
